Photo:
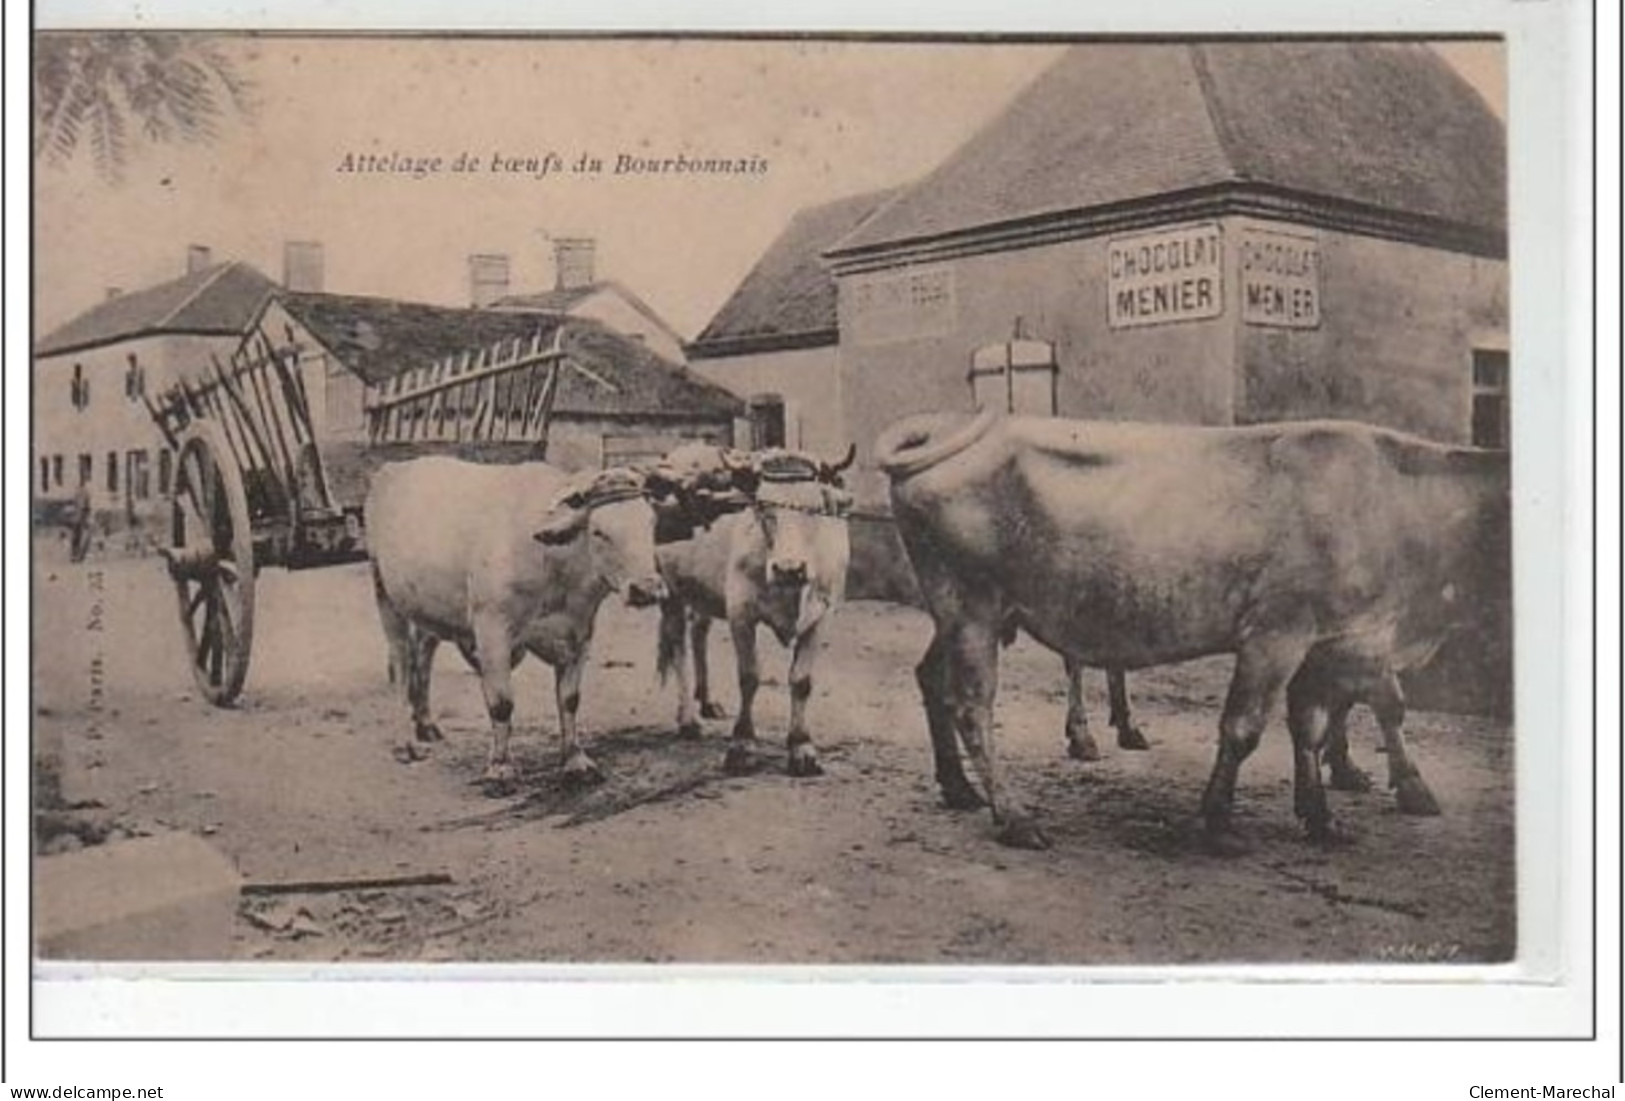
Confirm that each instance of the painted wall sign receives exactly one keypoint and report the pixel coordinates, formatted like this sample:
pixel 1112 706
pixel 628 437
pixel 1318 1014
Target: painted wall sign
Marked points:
pixel 1280 279
pixel 1170 275
pixel 904 305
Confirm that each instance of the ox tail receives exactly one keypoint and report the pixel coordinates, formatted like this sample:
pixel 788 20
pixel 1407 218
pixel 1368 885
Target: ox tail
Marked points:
pixel 396 628
pixel 669 647
pixel 922 441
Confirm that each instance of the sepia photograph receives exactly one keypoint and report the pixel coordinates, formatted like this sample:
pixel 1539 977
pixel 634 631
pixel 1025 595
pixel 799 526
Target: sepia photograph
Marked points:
pixel 838 501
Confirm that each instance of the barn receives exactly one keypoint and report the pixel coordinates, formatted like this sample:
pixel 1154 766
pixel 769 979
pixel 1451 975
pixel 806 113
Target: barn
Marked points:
pixel 1218 232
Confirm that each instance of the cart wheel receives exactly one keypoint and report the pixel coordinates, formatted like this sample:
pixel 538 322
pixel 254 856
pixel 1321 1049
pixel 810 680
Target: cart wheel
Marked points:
pixel 211 559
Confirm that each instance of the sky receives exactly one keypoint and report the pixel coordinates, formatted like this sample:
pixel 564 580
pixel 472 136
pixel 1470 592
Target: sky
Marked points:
pixel 829 118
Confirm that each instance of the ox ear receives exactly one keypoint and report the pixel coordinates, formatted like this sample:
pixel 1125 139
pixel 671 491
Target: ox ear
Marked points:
pixel 742 469
pixel 564 521
pixel 561 526
pixel 661 484
pixel 837 501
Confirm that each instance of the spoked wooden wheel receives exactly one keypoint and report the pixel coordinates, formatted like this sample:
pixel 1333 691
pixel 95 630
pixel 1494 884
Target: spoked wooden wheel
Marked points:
pixel 211 559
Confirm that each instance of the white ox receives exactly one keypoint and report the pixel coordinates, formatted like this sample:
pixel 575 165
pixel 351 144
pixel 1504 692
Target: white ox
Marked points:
pixel 781 562
pixel 1328 557
pixel 501 561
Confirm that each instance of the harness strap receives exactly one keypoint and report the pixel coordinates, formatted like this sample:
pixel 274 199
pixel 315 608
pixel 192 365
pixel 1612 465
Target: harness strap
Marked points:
pixel 611 496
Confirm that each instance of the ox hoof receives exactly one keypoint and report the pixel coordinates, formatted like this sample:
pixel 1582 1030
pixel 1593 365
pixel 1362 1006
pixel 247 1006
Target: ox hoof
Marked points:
pixel 1132 738
pixel 710 710
pixel 1415 798
pixel 429 732
pixel 1328 833
pixel 1021 832
pixel 959 795
pixel 744 731
pixel 1082 749
pixel 738 761
pixel 689 732
pixel 409 753
pixel 1349 778
pixel 582 773
pixel 499 780
pixel 804 761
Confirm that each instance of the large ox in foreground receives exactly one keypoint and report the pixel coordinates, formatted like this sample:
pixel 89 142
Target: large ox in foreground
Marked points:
pixel 1326 556
pixel 781 562
pixel 501 561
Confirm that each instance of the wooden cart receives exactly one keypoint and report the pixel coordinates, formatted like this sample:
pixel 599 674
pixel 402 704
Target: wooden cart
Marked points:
pixel 250 489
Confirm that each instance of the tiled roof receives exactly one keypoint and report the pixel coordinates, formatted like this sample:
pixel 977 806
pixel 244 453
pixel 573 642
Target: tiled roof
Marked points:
pixel 788 298
pixel 1389 125
pixel 644 383
pixel 223 299
pixel 378 337
pixel 1386 125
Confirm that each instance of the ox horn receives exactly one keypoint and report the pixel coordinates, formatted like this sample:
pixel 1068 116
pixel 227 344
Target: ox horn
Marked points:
pixel 829 471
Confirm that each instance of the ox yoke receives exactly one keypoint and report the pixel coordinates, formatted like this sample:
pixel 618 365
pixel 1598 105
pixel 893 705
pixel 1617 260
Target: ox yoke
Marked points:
pixel 1132 545
pixel 453 541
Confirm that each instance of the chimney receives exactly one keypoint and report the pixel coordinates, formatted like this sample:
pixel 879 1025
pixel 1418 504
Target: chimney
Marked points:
pixel 573 262
pixel 302 266
pixel 487 278
pixel 114 292
pixel 197 258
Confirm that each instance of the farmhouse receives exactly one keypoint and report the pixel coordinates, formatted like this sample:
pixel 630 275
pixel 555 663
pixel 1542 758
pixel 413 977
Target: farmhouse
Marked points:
pixel 92 374
pixel 1211 233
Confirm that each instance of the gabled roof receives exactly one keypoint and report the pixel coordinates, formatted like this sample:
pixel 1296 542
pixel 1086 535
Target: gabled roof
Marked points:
pixel 788 299
pixel 558 300
pixel 224 299
pixel 377 338
pixel 1379 126
pixel 565 300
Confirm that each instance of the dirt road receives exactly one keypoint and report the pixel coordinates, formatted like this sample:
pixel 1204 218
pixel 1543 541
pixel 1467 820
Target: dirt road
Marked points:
pixel 670 860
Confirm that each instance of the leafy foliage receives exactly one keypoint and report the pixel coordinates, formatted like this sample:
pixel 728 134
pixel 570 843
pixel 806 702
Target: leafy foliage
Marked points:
pixel 91 89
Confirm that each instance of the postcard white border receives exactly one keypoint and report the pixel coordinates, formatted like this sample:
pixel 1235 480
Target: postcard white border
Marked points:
pixel 1548 45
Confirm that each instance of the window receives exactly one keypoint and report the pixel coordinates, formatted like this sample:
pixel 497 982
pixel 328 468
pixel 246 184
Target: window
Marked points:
pixel 44 474
pixel 766 412
pixel 1017 376
pixel 1492 426
pixel 87 468
pixel 137 476
pixel 56 470
pixel 112 472
pixel 166 462
pixel 135 379
pixel 79 390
